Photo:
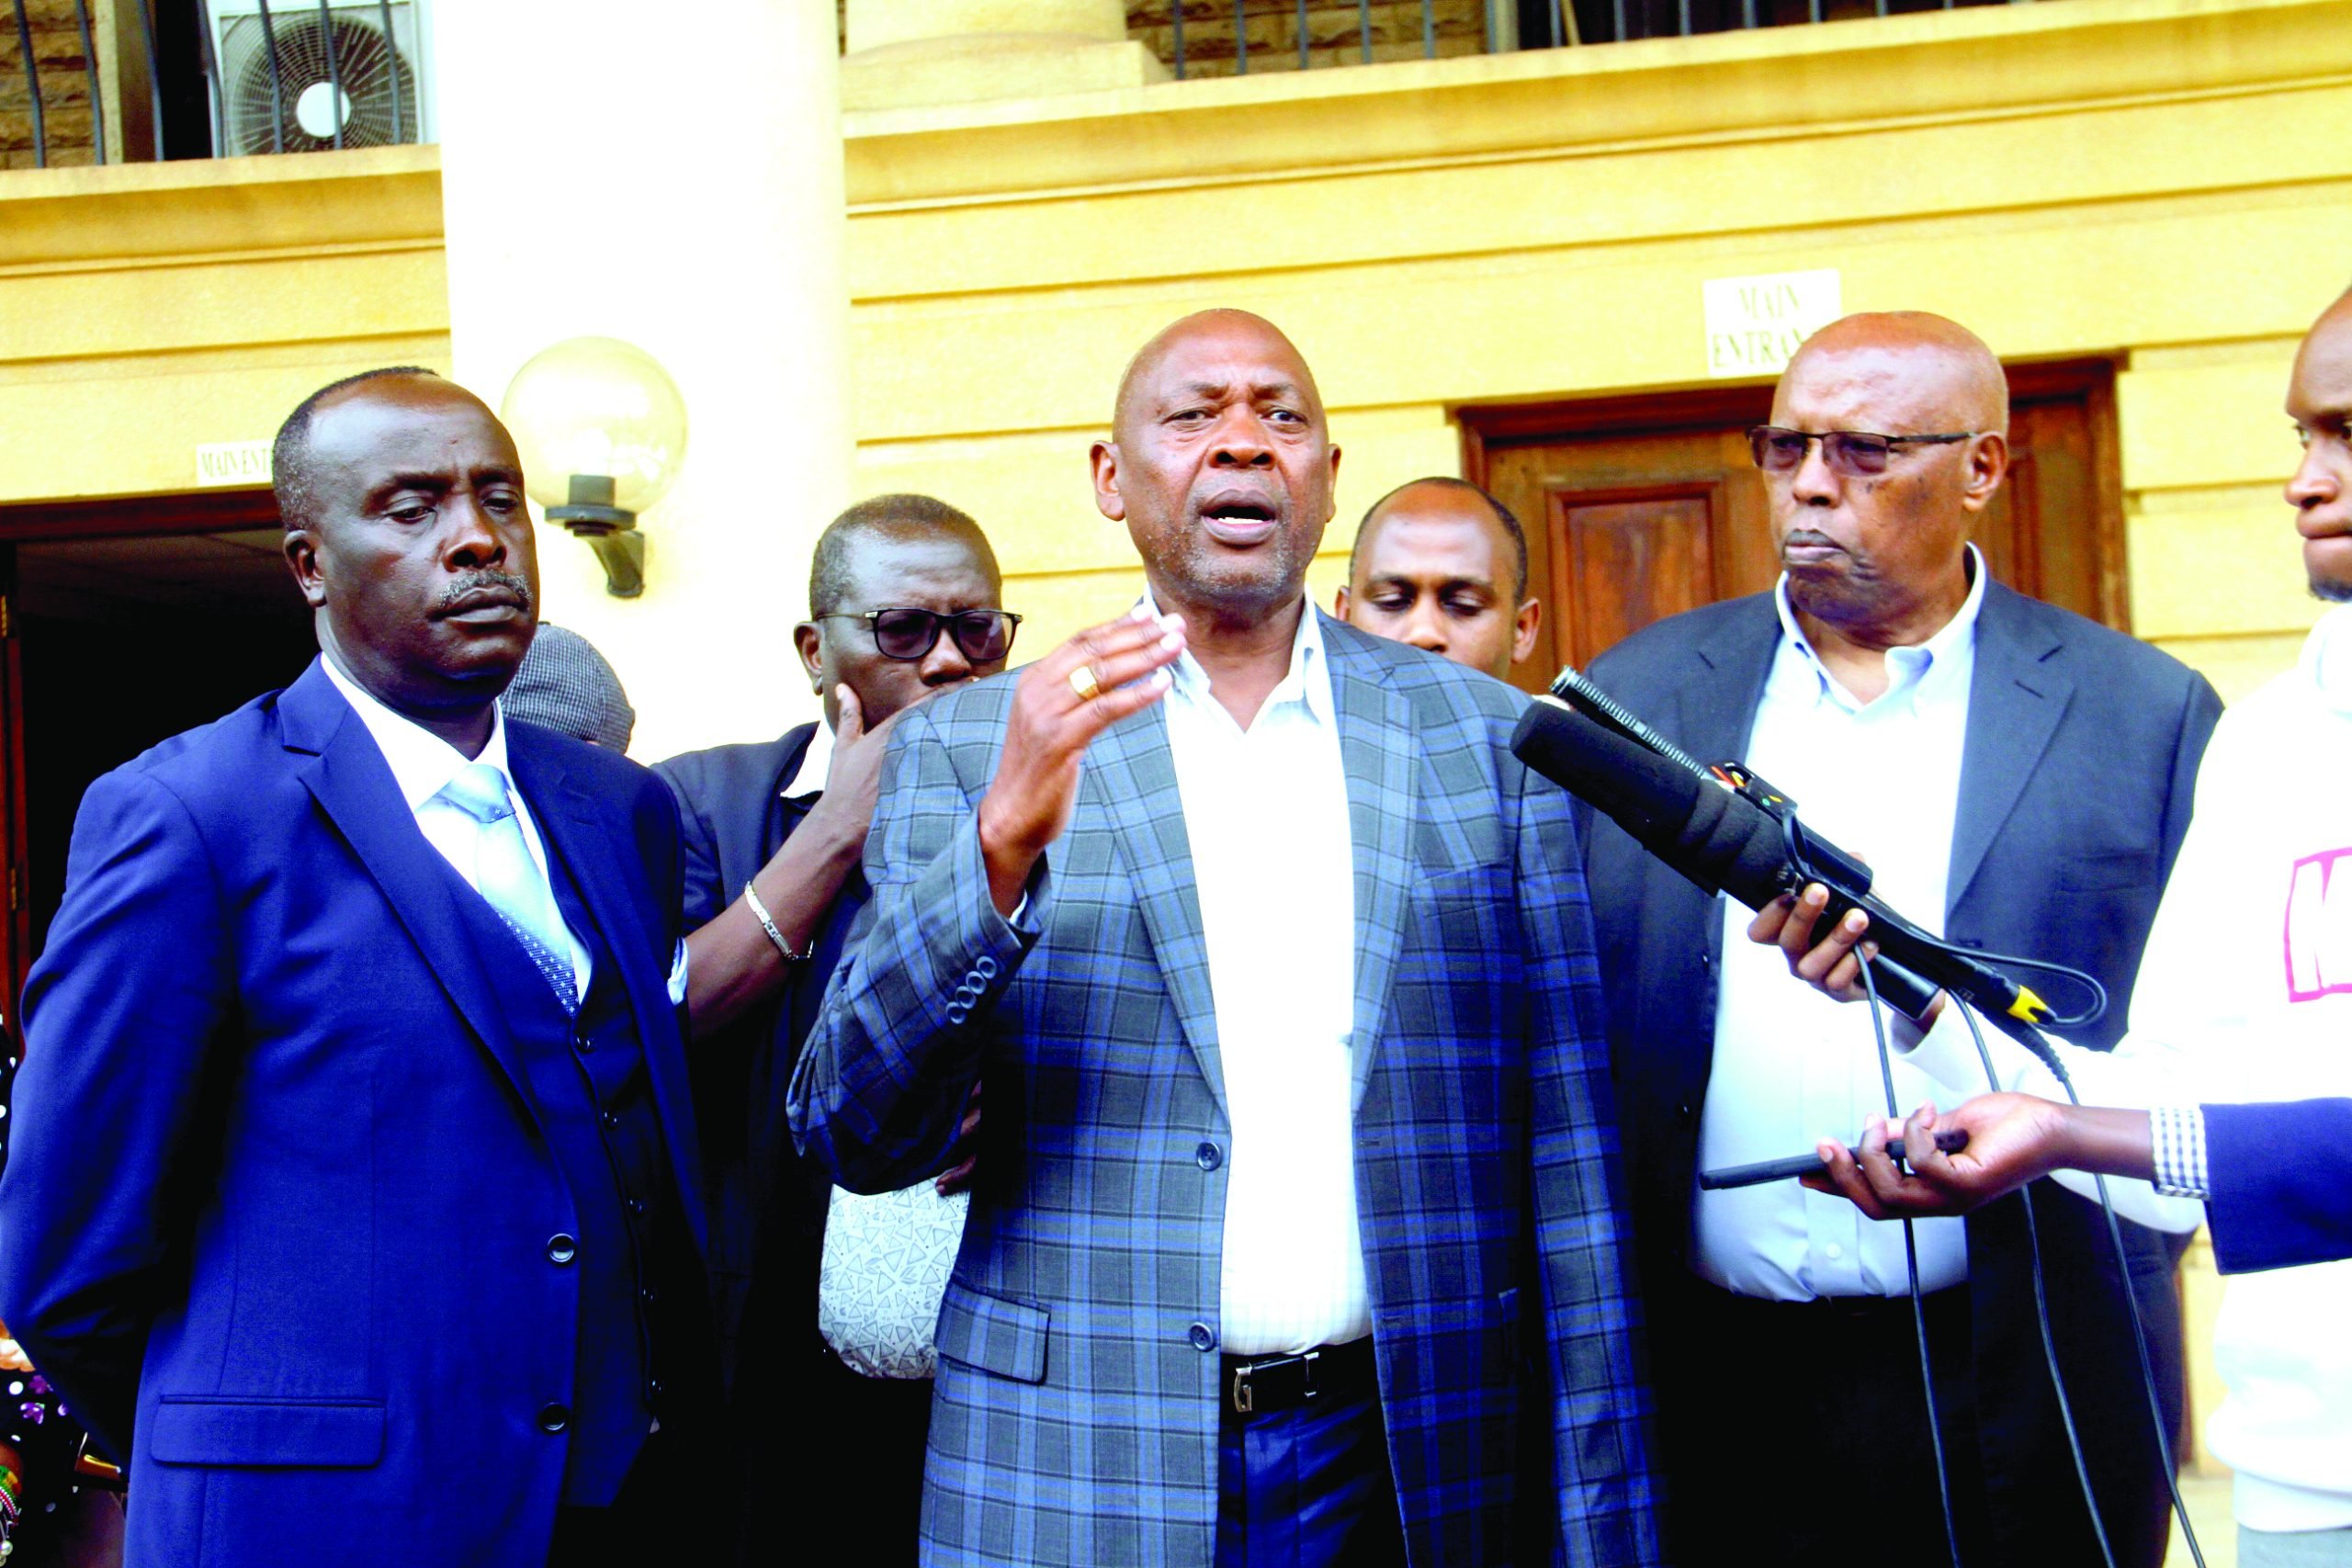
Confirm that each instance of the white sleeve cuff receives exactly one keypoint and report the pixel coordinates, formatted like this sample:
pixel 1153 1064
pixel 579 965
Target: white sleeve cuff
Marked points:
pixel 2178 1135
pixel 678 976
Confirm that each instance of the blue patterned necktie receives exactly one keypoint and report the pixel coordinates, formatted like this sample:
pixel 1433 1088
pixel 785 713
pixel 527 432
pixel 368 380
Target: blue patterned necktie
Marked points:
pixel 510 880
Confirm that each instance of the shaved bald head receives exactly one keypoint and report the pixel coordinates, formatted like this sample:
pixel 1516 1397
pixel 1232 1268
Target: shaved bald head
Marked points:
pixel 1923 362
pixel 1200 323
pixel 1220 466
pixel 1879 559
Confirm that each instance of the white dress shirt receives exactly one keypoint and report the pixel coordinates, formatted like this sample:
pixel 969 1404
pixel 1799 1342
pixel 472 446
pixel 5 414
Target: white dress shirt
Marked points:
pixel 1273 865
pixel 422 765
pixel 816 764
pixel 1882 781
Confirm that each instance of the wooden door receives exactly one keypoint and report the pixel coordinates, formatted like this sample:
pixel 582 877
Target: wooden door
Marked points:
pixel 37 798
pixel 1636 509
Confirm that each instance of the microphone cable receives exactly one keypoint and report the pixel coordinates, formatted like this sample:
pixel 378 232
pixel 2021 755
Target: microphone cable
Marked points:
pixel 2042 1316
pixel 1798 848
pixel 1911 1263
pixel 2042 1049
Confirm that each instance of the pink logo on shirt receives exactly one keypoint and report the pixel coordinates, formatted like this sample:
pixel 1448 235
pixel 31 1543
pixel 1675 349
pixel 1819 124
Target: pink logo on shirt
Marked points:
pixel 2318 926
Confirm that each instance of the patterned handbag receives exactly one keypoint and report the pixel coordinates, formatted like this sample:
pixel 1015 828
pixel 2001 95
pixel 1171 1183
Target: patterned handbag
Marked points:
pixel 887 1259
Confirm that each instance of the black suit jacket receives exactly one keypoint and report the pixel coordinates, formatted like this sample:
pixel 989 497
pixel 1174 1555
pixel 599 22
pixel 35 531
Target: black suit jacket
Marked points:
pixel 2076 781
pixel 734 819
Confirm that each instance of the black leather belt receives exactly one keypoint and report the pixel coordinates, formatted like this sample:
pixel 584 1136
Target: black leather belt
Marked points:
pixel 1260 1385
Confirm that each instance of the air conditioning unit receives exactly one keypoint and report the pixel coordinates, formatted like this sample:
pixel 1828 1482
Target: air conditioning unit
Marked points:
pixel 380 90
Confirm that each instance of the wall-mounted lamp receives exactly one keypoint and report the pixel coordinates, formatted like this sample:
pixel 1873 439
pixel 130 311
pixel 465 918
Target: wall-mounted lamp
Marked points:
pixel 602 432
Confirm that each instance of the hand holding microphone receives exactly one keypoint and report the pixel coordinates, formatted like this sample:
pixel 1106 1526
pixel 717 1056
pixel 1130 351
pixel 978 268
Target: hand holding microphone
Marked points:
pixel 1827 957
pixel 1729 832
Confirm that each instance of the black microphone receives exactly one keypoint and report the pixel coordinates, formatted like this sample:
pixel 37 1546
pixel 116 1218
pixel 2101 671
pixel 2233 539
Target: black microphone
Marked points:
pixel 1725 843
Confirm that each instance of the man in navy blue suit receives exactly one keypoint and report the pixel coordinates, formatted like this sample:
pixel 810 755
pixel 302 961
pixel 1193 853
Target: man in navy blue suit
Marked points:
pixel 351 1199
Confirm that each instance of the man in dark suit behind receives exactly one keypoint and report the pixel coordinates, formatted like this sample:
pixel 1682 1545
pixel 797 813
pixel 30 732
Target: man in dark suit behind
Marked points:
pixel 786 819
pixel 352 1196
pixel 2017 776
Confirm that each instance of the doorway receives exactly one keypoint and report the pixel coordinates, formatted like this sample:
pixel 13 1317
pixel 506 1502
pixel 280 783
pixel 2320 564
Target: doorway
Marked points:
pixel 1640 508
pixel 122 625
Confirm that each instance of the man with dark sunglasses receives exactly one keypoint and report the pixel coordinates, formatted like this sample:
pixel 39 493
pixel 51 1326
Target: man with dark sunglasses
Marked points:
pixel 2019 778
pixel 905 600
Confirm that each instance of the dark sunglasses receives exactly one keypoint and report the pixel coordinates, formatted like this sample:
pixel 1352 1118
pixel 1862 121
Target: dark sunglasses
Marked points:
pixel 908 634
pixel 1856 454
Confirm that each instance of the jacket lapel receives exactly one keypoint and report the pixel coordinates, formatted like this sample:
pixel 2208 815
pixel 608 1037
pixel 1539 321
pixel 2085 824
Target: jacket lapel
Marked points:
pixel 1131 774
pixel 580 834
pixel 348 775
pixel 1380 754
pixel 1715 709
pixel 2015 700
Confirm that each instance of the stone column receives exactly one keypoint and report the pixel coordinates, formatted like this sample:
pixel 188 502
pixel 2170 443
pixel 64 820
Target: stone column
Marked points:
pixel 680 188
pixel 908 53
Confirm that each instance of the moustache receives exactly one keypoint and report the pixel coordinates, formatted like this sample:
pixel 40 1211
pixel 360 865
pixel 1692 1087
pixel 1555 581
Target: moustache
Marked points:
pixel 476 582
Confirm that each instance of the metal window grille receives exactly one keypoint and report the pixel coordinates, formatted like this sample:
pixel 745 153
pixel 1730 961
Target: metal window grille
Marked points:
pixel 245 75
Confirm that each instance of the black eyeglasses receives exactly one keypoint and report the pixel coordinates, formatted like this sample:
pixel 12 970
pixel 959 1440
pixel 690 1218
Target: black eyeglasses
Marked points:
pixel 908 634
pixel 1856 454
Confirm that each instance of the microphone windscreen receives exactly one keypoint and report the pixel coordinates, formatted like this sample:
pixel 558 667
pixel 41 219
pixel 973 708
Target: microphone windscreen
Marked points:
pixel 1642 792
pixel 1722 842
pixel 1731 845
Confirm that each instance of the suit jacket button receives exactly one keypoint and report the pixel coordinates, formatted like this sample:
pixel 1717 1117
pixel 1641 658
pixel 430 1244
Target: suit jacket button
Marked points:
pixel 1203 1337
pixel 957 1012
pixel 1209 1156
pixel 554 1418
pixel 561 1248
pixel 985 967
pixel 1682 1113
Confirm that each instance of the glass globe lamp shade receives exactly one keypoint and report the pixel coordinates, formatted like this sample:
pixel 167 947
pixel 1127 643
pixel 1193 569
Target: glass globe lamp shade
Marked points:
pixel 597 407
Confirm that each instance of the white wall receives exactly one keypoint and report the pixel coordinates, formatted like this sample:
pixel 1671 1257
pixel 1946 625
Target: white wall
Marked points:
pixel 672 177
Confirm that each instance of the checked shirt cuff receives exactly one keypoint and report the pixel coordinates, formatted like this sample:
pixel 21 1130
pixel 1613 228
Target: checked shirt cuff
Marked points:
pixel 2178 1134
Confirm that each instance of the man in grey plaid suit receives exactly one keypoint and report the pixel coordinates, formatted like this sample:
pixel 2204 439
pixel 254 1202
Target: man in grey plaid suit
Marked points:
pixel 1293 1239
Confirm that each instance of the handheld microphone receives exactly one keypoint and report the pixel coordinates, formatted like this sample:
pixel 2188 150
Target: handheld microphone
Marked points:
pixel 1697 821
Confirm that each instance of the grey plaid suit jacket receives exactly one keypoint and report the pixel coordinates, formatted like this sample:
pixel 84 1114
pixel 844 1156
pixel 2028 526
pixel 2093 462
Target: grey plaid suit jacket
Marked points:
pixel 1076 1411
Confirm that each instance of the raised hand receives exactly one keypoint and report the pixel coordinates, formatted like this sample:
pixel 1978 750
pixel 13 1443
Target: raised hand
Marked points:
pixel 1061 703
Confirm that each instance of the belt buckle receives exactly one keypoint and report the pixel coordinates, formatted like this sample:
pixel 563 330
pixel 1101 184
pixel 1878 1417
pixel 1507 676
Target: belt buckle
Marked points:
pixel 1245 1391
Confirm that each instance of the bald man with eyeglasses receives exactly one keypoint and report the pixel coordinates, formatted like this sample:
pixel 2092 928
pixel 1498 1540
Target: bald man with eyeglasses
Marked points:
pixel 2019 778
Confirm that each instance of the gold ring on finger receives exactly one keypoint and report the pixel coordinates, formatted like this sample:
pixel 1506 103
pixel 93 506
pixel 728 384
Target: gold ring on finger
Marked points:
pixel 1082 682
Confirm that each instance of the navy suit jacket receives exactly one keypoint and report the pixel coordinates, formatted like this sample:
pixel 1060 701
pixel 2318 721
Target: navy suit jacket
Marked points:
pixel 276 1215
pixel 2076 780
pixel 2281 1179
